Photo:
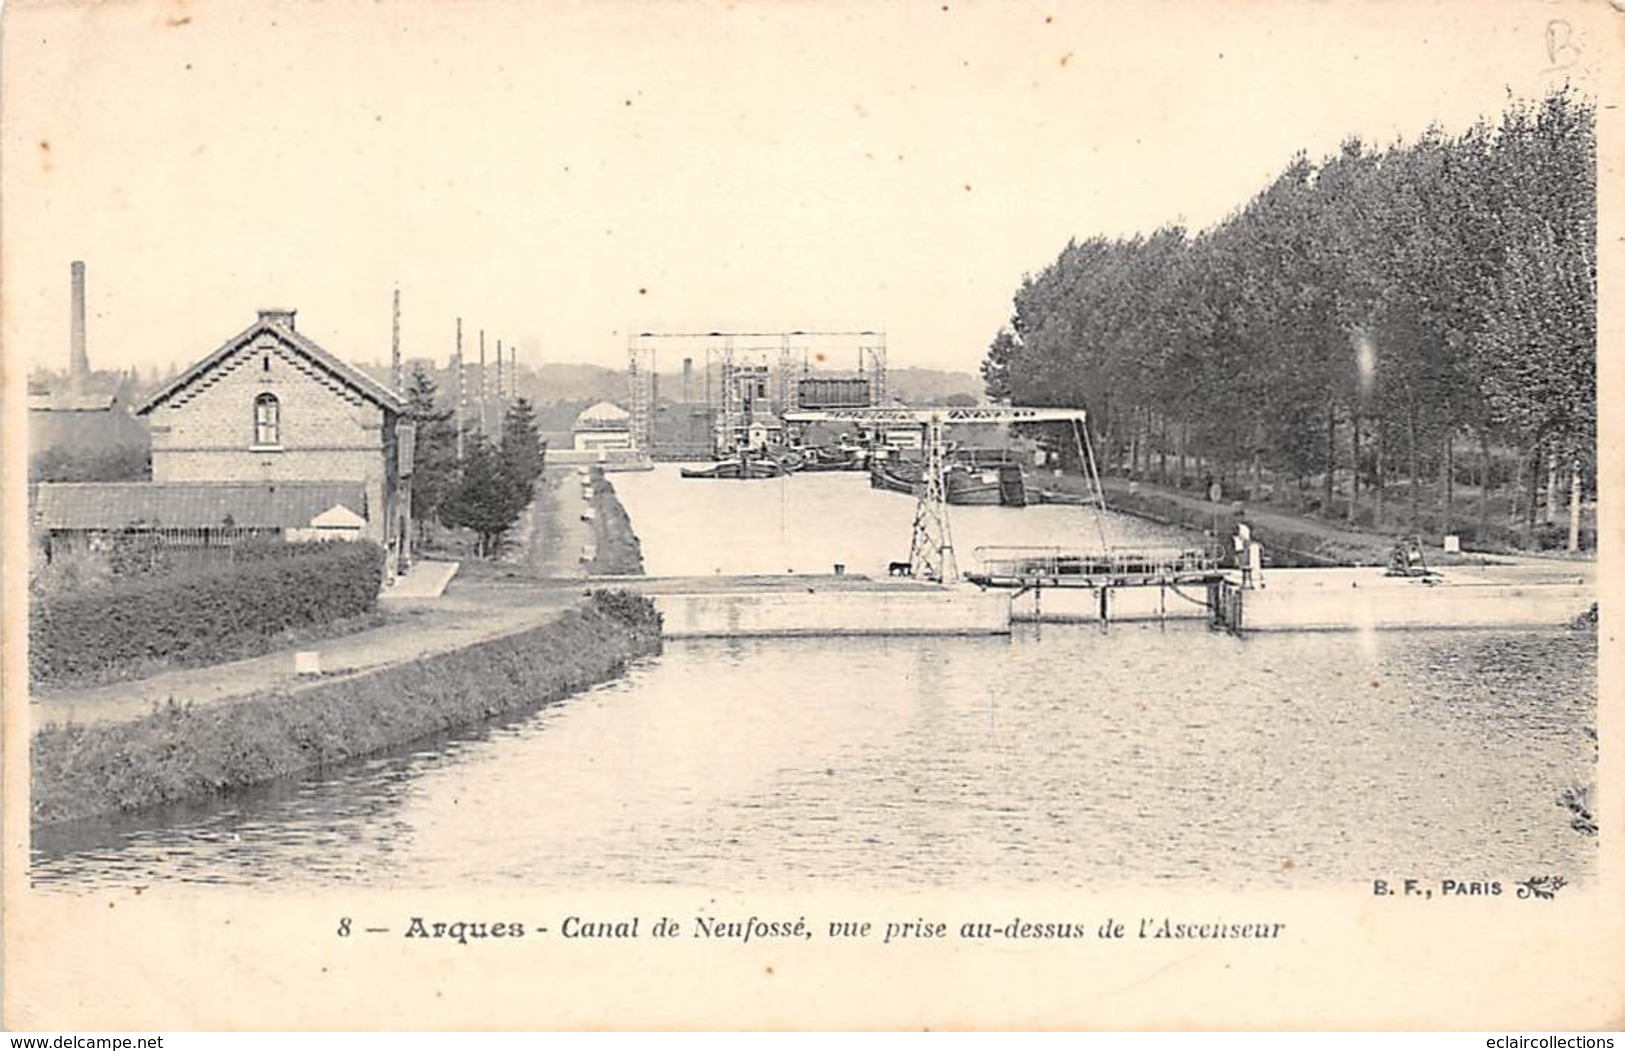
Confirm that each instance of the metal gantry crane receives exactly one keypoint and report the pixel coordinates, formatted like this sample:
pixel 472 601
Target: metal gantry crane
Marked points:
pixel 931 545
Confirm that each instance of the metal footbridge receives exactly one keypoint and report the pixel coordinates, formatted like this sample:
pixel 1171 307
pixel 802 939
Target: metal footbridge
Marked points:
pixel 1025 568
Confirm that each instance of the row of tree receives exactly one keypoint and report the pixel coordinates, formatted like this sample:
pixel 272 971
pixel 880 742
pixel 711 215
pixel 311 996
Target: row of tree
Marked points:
pixel 489 487
pixel 1353 325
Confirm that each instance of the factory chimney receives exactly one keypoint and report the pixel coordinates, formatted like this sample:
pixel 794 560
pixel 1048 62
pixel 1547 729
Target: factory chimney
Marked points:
pixel 688 380
pixel 78 360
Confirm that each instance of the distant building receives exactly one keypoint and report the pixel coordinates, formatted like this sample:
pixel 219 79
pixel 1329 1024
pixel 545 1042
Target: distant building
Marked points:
pixel 602 427
pixel 763 430
pixel 832 393
pixel 83 411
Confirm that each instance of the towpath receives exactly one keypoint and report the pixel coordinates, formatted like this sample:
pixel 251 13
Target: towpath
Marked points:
pixel 1336 543
pixel 556 530
pixel 465 615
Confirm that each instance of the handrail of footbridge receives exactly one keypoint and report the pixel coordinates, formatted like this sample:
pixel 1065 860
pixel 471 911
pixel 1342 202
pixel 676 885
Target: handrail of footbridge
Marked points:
pixel 1058 567
pixel 923 414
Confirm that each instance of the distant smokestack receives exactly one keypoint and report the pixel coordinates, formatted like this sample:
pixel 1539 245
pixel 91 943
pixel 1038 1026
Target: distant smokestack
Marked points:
pixel 78 360
pixel 395 371
pixel 688 380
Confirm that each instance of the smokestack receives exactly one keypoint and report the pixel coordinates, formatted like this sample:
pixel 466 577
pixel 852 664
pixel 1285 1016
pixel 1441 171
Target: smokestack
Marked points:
pixel 501 393
pixel 688 379
pixel 395 348
pixel 78 360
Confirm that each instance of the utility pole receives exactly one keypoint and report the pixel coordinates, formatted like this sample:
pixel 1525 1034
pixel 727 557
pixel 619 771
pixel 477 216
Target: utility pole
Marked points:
pixel 462 392
pixel 485 424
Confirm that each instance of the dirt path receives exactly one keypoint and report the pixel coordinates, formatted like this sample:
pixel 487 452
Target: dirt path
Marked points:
pixel 558 532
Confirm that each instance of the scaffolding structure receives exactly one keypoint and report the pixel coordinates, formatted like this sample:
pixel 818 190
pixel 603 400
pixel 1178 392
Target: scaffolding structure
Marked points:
pixel 757 372
pixel 641 384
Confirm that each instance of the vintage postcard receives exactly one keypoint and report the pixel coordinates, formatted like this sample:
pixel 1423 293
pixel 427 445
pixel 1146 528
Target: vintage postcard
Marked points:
pixel 811 515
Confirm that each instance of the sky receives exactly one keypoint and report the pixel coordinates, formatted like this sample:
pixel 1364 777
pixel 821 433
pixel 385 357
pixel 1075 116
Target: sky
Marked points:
pixel 563 174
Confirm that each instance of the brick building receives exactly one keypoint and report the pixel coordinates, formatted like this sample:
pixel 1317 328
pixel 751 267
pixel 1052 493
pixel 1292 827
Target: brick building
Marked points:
pixel 271 406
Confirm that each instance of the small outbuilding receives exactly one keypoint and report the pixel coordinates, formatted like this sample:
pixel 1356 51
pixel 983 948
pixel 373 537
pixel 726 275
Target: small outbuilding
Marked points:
pixel 601 427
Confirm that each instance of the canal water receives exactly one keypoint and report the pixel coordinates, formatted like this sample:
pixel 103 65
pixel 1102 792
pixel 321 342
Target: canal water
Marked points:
pixel 1064 756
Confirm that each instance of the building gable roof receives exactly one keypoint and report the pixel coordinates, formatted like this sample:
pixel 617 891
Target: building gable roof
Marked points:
pixel 279 324
pixel 191 505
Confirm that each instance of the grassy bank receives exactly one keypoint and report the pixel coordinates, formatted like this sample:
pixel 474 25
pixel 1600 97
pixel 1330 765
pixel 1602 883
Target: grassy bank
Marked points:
pixel 1284 543
pixel 618 551
pixel 185 753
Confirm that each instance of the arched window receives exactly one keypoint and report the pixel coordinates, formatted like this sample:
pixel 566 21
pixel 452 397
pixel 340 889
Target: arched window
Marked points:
pixel 267 420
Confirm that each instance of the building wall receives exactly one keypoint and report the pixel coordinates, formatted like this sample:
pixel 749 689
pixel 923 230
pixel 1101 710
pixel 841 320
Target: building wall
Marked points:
pixel 206 432
pixel 586 440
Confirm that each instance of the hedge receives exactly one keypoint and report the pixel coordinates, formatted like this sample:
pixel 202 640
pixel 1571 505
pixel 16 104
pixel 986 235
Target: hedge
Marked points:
pixel 202 617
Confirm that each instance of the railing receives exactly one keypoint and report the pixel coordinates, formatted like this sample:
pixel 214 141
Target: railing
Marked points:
pixel 1056 565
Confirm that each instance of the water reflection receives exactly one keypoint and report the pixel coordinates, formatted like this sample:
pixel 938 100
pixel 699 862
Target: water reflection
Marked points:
pixel 1083 758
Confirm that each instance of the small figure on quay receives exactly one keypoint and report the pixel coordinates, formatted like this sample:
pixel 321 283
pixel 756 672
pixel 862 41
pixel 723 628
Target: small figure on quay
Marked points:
pixel 1249 556
pixel 1407 560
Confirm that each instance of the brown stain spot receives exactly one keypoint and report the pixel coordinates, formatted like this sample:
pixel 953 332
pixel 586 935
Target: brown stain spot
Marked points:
pixel 628 102
pixel 1049 20
pixel 176 23
pixel 819 357
pixel 1065 59
pixel 1288 865
pixel 643 291
pixel 1375 683
pixel 967 187
pixel 769 971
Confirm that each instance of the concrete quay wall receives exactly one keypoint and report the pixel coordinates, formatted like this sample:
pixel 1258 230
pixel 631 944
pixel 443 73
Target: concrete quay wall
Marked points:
pixel 1415 605
pixel 787 613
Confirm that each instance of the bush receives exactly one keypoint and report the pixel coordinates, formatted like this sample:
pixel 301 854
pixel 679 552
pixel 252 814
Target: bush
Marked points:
pixel 627 607
pixel 203 617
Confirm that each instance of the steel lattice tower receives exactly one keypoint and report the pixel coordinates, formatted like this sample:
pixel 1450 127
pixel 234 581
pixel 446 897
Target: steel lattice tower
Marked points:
pixel 931 548
pixel 640 378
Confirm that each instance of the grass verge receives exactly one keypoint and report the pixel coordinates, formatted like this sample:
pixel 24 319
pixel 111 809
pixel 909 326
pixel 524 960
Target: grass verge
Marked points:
pixel 187 753
pixel 619 553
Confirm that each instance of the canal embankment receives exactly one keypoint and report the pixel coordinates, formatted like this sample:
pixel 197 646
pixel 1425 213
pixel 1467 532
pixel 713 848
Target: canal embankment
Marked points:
pixel 182 751
pixel 1289 541
pixel 616 550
